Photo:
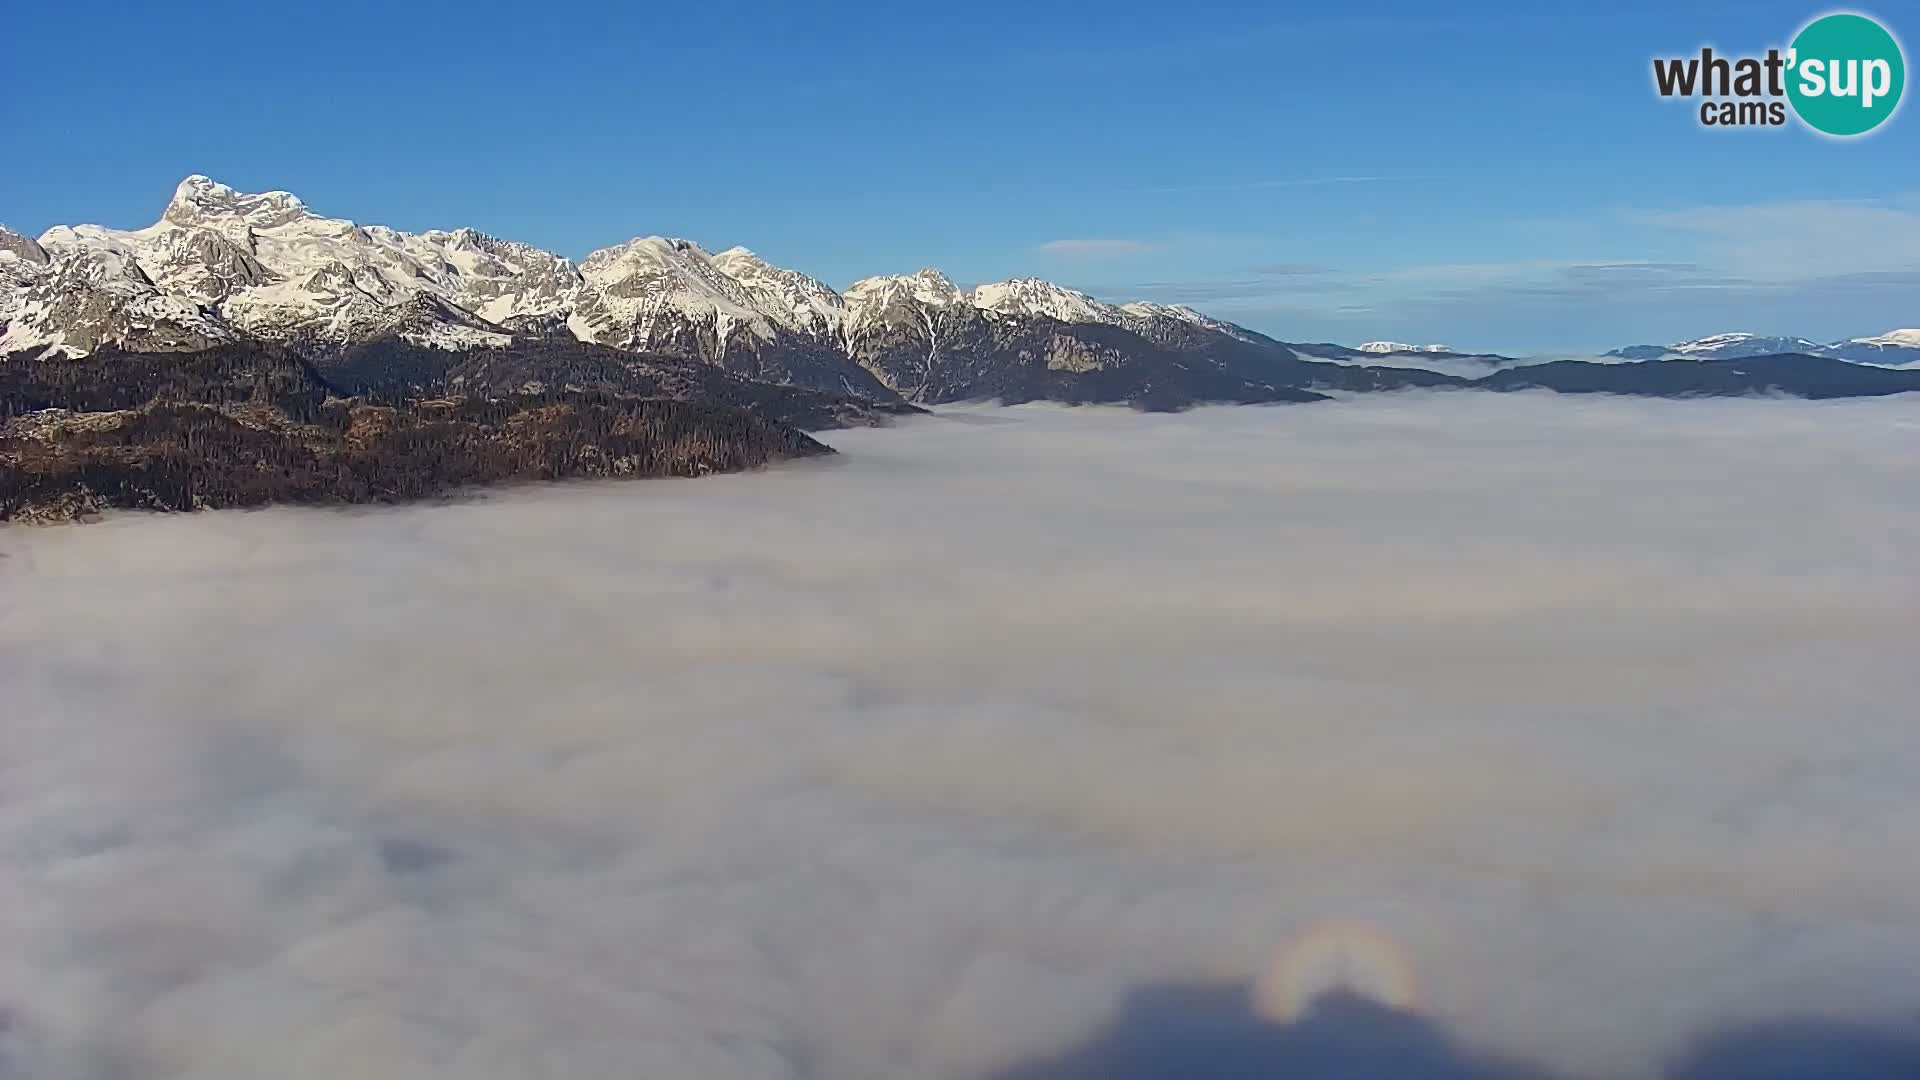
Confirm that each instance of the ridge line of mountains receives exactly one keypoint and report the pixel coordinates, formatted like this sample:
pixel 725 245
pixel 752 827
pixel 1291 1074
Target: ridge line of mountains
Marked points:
pixel 1896 348
pixel 461 311
pixel 245 351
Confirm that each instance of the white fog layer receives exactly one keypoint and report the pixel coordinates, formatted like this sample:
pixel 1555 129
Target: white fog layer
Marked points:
pixel 1575 730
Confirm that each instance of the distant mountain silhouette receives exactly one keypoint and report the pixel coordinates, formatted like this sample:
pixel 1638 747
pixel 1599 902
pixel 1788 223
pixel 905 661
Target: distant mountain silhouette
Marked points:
pixel 1796 374
pixel 1210 1031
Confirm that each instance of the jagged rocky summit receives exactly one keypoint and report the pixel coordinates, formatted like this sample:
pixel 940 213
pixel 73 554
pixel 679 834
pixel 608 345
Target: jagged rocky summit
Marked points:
pixel 222 266
pixel 377 310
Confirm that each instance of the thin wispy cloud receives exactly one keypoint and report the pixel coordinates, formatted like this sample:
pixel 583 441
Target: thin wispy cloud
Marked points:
pixel 1094 248
pixel 1270 183
pixel 1319 287
pixel 1292 269
pixel 1278 182
pixel 1176 45
pixel 1810 267
pixel 993 59
pixel 1787 241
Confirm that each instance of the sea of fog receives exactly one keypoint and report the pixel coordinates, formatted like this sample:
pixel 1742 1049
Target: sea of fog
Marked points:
pixel 1459 736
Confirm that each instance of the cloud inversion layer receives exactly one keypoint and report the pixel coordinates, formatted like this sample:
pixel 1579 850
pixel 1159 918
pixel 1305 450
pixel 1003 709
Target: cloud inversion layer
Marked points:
pixel 1596 715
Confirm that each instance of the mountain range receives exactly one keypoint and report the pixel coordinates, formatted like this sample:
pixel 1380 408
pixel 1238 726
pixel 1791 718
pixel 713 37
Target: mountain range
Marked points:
pixel 222 266
pixel 379 310
pixel 1892 349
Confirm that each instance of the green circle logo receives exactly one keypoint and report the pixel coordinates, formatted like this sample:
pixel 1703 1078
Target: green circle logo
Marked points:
pixel 1845 74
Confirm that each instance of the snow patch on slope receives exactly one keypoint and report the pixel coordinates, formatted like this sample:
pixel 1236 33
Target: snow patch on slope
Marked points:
pixel 1034 297
pixel 1399 347
pixel 800 303
pixel 1745 344
pixel 1899 339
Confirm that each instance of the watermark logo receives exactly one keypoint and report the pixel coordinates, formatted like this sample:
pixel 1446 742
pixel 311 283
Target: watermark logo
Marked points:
pixel 1842 76
pixel 1850 74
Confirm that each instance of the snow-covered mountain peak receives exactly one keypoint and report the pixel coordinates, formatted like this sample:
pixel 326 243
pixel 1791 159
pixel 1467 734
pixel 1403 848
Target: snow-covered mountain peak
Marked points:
pixel 461 239
pixel 646 251
pixel 266 265
pixel 1740 343
pixel 933 279
pixel 1396 346
pixel 1148 312
pixel 637 288
pixel 1714 341
pixel 926 286
pixel 1033 296
pixel 1149 309
pixel 201 200
pixel 793 299
pixel 743 265
pixel 222 264
pixel 1894 348
pixel 1026 297
pixel 200 186
pixel 1899 339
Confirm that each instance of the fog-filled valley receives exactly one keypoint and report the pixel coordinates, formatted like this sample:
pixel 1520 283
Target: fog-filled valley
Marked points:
pixel 1554 736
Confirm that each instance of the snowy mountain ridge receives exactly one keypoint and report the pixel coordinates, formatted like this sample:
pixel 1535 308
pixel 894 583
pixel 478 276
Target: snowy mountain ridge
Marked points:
pixel 221 264
pixel 1898 339
pixel 1721 344
pixel 1893 348
pixel 1399 347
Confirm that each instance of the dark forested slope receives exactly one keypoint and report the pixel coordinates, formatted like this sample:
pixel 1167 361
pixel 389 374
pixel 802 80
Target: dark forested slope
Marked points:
pixel 245 426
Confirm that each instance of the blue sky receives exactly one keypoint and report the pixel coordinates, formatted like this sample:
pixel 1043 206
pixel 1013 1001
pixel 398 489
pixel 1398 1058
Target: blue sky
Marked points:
pixel 1490 175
